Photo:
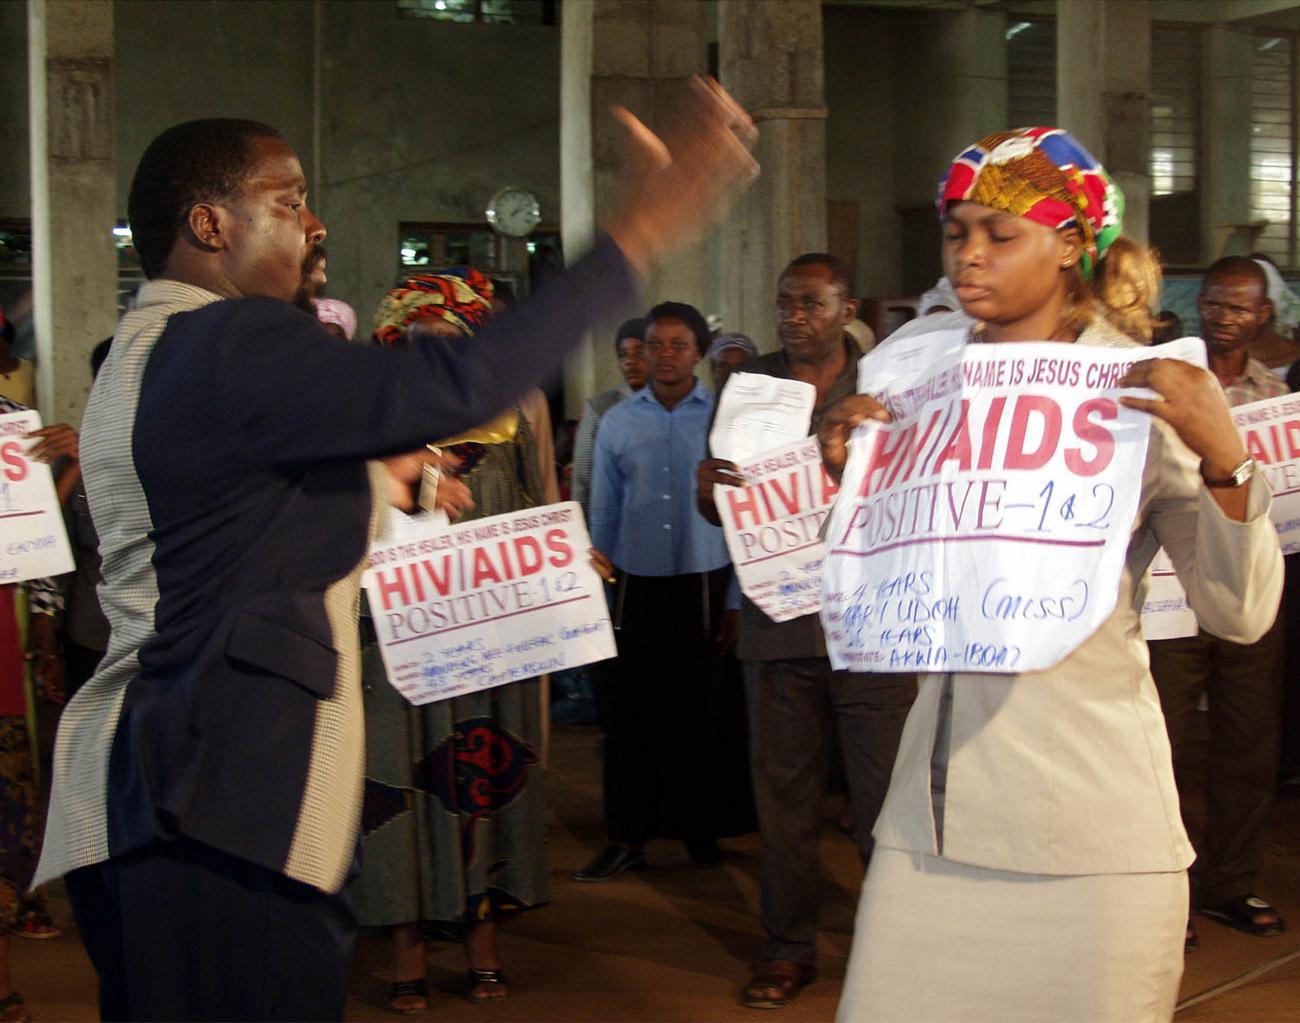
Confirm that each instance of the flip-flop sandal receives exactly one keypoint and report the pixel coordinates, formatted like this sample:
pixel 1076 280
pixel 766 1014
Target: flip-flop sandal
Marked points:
pixel 787 984
pixel 1240 914
pixel 408 989
pixel 481 978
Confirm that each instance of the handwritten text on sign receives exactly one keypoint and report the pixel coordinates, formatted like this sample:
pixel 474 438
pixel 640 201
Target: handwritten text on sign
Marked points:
pixel 985 528
pixel 772 527
pixel 463 608
pixel 33 540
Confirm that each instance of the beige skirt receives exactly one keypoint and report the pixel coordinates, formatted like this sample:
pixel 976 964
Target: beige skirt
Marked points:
pixel 944 942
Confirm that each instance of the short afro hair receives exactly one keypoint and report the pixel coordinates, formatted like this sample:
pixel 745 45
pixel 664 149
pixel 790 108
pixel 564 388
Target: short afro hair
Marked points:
pixel 839 273
pixel 198 161
pixel 629 328
pixel 689 315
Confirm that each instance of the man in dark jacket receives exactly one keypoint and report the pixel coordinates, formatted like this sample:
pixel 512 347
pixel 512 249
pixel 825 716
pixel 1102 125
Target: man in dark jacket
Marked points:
pixel 208 777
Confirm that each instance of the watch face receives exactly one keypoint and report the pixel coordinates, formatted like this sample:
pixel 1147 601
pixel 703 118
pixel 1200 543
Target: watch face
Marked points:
pixel 514 211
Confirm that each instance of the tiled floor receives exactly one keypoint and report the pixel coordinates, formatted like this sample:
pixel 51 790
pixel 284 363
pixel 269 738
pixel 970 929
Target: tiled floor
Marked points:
pixel 674 942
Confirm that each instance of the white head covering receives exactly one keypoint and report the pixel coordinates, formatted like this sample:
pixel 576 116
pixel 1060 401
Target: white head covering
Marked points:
pixel 941 294
pixel 1286 306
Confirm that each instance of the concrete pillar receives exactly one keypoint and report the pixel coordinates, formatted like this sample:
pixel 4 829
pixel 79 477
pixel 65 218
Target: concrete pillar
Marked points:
pixel 771 59
pixel 1225 143
pixel 1103 90
pixel 74 264
pixel 952 91
pixel 638 54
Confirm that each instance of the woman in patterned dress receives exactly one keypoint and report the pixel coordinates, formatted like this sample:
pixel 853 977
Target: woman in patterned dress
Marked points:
pixel 455 801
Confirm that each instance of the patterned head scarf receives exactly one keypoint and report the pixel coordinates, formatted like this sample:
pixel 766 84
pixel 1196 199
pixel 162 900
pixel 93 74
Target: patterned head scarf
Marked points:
pixel 460 295
pixel 1044 175
pixel 339 313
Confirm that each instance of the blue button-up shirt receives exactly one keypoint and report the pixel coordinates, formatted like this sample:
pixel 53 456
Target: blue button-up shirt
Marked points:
pixel 643 486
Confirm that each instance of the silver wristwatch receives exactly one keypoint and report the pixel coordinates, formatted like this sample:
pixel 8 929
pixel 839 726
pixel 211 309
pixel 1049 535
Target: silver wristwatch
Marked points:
pixel 1239 477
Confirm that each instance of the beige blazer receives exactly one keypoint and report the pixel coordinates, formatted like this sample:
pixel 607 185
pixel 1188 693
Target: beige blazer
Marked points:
pixel 1068 770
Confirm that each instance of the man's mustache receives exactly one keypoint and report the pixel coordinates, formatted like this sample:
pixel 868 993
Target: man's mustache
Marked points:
pixel 314 259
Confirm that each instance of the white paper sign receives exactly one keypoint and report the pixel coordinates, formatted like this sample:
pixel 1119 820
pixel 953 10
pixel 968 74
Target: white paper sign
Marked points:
pixel 757 412
pixel 466 607
pixel 985 529
pixel 1270 430
pixel 772 527
pixel 33 539
pixel 1166 613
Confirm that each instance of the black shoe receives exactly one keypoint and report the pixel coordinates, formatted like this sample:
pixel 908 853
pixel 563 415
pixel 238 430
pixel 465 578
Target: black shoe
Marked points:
pixel 704 853
pixel 612 861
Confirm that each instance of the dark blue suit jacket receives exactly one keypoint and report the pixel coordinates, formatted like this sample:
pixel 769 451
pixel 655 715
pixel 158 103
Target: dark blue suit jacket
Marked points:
pixel 250 443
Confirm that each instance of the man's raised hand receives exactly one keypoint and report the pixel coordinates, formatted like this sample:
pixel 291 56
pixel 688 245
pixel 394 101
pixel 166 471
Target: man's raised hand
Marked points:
pixel 681 183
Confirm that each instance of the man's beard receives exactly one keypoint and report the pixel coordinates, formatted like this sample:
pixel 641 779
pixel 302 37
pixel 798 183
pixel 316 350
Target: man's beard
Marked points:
pixel 309 290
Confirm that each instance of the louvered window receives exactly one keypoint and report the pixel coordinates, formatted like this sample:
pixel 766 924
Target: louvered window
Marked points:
pixel 1031 73
pixel 1175 108
pixel 1272 145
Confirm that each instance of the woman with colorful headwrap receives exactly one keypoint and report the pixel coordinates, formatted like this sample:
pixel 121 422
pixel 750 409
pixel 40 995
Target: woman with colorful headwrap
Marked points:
pixel 1030 861
pixel 455 801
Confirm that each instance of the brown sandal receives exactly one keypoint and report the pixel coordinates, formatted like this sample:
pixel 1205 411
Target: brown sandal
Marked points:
pixel 782 976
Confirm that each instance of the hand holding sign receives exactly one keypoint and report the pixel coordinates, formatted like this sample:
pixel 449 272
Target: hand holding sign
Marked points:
pixel 1192 403
pixel 845 416
pixel 710 473
pixel 54 442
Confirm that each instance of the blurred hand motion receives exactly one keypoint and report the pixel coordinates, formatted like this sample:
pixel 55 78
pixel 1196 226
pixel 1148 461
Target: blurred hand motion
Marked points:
pixel 681 183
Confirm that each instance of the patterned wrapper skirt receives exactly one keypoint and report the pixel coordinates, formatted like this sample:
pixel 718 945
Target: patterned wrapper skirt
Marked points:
pixel 19 823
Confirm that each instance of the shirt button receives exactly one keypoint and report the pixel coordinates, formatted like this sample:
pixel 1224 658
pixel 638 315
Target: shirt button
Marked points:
pixel 667 526
pixel 668 497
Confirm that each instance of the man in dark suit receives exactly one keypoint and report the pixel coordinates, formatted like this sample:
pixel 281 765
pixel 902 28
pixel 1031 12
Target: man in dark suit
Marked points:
pixel 208 777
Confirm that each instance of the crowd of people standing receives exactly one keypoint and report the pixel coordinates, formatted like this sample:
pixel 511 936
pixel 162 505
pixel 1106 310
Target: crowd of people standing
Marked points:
pixel 1007 869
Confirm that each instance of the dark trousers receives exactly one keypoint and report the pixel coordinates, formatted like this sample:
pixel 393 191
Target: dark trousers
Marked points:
pixel 659 705
pixel 794 706
pixel 180 931
pixel 1237 777
pixel 1289 764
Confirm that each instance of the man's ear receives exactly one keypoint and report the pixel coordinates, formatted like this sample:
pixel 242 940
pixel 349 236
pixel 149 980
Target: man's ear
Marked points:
pixel 1071 246
pixel 850 309
pixel 204 226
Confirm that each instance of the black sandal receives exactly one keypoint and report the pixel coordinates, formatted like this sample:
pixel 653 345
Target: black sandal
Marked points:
pixel 408 989
pixel 781 976
pixel 1239 913
pixel 479 978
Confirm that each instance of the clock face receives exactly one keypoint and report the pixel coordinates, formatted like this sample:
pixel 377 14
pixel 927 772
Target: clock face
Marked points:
pixel 514 211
